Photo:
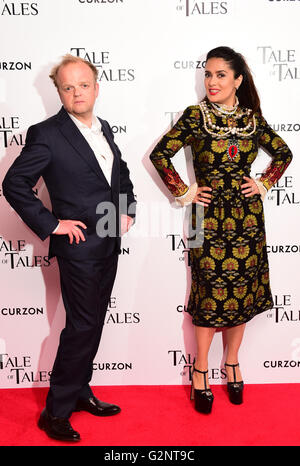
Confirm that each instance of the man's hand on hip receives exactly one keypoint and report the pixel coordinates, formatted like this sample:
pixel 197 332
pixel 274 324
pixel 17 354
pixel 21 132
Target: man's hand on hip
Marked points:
pixel 71 228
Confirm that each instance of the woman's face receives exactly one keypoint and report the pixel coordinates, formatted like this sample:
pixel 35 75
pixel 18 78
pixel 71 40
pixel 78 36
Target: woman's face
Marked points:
pixel 220 83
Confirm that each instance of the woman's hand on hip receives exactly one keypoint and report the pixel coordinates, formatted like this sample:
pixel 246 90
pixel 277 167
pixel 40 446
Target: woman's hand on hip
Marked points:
pixel 250 187
pixel 202 196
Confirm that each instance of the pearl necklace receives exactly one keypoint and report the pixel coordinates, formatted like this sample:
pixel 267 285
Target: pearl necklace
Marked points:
pixel 225 109
pixel 226 130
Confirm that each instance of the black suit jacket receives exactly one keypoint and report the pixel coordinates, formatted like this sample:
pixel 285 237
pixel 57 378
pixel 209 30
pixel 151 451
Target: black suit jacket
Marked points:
pixel 56 150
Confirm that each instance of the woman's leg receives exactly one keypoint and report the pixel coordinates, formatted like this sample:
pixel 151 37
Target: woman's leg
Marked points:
pixel 234 337
pixel 204 336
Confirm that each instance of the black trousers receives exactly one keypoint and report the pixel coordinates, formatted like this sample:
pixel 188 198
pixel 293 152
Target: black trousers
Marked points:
pixel 86 289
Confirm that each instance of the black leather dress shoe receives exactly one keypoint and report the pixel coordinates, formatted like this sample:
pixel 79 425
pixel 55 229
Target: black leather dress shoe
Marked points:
pixel 57 428
pixel 97 407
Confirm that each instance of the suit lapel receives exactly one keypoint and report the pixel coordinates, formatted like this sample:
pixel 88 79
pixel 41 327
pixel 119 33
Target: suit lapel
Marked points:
pixel 78 142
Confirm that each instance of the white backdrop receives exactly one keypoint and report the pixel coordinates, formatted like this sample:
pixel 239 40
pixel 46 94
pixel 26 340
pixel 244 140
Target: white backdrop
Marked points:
pixel 150 55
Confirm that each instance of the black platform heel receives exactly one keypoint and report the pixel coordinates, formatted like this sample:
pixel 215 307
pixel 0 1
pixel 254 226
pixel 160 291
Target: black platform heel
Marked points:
pixel 235 389
pixel 203 398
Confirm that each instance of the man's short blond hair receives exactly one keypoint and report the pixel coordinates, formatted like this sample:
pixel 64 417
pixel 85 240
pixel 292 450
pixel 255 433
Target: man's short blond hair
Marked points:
pixel 66 60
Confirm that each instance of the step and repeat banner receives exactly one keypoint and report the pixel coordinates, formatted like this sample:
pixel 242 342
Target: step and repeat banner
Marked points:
pixel 151 57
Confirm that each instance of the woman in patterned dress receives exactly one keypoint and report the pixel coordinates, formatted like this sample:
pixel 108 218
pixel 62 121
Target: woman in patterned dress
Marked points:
pixel 230 273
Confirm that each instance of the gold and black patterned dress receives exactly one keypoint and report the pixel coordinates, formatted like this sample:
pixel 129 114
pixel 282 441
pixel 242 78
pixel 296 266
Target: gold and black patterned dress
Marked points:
pixel 230 272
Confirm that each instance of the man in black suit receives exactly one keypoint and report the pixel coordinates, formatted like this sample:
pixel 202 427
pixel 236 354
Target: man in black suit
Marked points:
pixel 92 206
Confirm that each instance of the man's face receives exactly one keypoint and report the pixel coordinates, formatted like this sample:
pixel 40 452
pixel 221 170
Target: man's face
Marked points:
pixel 77 89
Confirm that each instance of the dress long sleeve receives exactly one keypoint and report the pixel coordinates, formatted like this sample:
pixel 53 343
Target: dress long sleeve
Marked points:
pixel 180 135
pixel 278 150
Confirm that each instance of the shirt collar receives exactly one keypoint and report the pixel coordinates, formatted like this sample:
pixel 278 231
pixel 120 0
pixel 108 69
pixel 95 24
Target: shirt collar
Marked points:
pixel 95 128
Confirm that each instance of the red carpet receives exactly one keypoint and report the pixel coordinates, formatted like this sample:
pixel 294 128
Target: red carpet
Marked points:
pixel 163 416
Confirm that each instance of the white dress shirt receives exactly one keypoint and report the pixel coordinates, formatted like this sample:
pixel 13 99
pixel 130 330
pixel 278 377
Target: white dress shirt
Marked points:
pixel 98 143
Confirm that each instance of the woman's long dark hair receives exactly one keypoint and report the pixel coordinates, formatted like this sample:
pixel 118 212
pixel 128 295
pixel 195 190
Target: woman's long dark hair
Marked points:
pixel 246 93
